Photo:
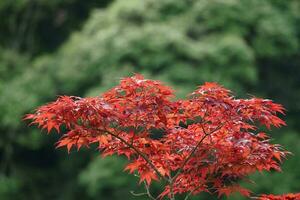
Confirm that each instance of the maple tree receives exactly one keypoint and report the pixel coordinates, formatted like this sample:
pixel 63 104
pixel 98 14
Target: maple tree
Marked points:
pixel 205 143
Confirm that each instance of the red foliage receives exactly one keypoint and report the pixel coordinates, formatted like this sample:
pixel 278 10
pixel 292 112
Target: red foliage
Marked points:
pixel 289 196
pixel 205 143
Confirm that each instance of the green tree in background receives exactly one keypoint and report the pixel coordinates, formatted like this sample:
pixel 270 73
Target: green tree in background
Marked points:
pixel 37 26
pixel 245 45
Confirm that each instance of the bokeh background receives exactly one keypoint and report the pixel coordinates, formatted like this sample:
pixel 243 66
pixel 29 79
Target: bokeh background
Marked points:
pixel 76 47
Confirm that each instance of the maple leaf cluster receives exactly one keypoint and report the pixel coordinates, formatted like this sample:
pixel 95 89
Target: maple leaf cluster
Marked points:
pixel 205 143
pixel 289 196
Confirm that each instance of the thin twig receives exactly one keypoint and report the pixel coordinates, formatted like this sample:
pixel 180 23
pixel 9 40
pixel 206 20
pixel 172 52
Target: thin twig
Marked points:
pixel 138 194
pixel 148 191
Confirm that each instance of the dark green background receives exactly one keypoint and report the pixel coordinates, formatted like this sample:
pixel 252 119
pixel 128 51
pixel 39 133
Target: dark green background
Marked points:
pixel 76 47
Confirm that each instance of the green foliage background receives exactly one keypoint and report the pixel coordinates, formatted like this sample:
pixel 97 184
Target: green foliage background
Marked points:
pixel 74 47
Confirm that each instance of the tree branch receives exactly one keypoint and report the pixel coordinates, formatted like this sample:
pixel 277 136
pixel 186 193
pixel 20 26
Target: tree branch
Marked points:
pixel 148 191
pixel 172 195
pixel 137 151
pixel 195 148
